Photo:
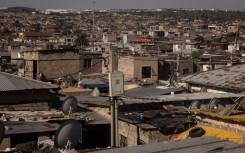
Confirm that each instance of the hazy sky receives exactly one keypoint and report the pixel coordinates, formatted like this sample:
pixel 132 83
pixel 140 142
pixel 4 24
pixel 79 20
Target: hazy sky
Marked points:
pixel 121 4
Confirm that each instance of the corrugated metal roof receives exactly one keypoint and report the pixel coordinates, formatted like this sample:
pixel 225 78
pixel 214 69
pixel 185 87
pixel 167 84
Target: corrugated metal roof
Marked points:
pixel 30 127
pixel 227 78
pixel 194 145
pixel 184 97
pixel 10 82
pixel 150 91
pixel 197 96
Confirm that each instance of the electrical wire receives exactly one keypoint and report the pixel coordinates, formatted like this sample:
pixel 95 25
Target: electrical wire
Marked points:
pixel 97 109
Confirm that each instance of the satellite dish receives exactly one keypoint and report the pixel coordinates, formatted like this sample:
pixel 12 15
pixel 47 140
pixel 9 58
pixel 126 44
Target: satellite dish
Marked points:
pixel 213 104
pixel 195 104
pixel 20 64
pixel 68 135
pixel 2 131
pixel 69 105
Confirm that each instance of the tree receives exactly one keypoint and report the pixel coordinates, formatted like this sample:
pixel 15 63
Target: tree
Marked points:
pixel 196 54
pixel 37 27
pixel 81 40
pixel 199 38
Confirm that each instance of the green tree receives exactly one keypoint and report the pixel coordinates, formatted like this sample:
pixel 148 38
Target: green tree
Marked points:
pixel 81 40
pixel 199 38
pixel 37 27
pixel 196 54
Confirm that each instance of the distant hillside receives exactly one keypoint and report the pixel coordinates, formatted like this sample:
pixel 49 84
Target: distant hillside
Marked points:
pixel 21 9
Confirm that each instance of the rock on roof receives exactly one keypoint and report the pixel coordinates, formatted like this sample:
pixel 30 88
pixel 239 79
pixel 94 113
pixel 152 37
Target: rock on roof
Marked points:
pixel 10 82
pixel 227 78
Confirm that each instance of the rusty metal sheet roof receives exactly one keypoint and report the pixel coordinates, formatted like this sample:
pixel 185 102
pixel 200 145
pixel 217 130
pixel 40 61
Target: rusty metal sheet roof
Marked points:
pixel 194 145
pixel 29 127
pixel 227 78
pixel 10 82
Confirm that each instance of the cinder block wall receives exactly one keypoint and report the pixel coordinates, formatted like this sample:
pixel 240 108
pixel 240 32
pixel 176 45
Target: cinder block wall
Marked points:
pixel 53 64
pixel 126 65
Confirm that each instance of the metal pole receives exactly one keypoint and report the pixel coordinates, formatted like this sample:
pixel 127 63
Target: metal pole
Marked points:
pixel 178 64
pixel 93 30
pixel 113 107
pixel 114 122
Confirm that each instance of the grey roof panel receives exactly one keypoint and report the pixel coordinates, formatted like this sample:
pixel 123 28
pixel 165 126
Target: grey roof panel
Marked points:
pixel 10 82
pixel 194 145
pixel 228 78
pixel 150 91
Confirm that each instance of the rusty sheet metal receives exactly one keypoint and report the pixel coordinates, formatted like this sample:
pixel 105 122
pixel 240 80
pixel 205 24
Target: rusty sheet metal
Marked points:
pixel 227 78
pixel 29 127
pixel 10 82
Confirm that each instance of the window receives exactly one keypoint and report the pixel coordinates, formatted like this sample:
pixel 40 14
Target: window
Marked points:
pixel 186 71
pixel 123 141
pixel 87 63
pixel 146 72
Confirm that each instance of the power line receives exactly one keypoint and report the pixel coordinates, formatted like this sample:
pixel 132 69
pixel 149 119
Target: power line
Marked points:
pixel 97 109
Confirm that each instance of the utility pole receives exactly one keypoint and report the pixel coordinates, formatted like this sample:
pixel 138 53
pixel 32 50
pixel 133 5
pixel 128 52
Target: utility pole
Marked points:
pixel 93 29
pixel 113 100
pixel 178 64
pixel 235 46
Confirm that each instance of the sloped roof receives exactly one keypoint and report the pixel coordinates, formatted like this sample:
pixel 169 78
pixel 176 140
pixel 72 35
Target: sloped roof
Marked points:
pixel 10 82
pixel 226 78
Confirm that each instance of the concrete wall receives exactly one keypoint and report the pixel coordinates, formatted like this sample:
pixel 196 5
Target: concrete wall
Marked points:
pixel 132 67
pixel 96 66
pixel 186 64
pixel 126 65
pixel 53 64
pixel 135 135
pixel 145 62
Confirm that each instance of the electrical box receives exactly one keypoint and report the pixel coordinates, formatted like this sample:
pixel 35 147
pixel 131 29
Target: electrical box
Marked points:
pixel 116 84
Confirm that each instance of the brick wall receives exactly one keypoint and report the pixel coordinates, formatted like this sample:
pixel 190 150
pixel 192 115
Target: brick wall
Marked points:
pixel 53 64
pixel 96 67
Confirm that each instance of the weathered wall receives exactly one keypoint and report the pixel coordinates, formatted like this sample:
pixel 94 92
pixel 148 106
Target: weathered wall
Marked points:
pixel 129 131
pixel 186 64
pixel 143 62
pixel 96 66
pixel 126 65
pixel 53 64
pixel 133 136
